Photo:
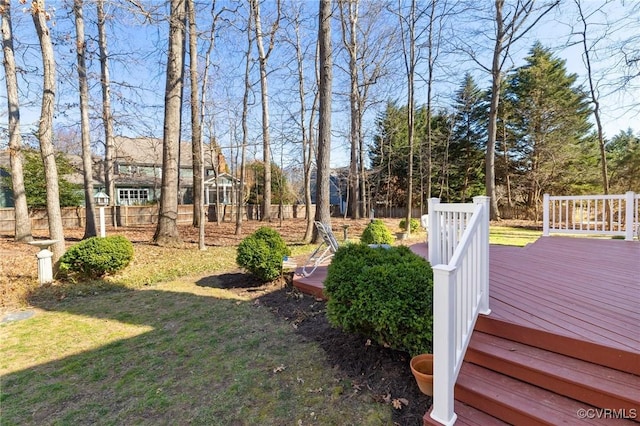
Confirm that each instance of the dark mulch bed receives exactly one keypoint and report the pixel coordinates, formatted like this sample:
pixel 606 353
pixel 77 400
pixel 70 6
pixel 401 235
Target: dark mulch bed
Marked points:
pixel 382 372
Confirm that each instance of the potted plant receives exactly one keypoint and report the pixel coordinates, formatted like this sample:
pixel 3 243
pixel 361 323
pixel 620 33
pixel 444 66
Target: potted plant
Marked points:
pixel 422 369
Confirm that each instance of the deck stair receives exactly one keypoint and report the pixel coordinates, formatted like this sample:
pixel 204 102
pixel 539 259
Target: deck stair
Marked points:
pixel 538 358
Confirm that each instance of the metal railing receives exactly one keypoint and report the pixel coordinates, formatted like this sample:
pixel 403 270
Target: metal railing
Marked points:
pixel 459 254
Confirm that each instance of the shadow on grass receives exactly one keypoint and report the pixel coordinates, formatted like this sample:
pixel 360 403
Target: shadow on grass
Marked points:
pixel 146 356
pixel 231 280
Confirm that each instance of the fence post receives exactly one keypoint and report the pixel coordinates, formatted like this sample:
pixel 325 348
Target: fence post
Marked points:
pixel 434 233
pixel 483 307
pixel 444 343
pixel 545 215
pixel 629 216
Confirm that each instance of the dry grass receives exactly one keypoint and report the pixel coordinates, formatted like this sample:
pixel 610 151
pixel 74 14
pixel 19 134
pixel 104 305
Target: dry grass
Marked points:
pixel 151 264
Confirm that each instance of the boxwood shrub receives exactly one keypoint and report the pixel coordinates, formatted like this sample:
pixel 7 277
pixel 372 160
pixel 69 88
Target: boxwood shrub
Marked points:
pixel 95 257
pixel 261 253
pixel 415 224
pixel 376 232
pixel 383 294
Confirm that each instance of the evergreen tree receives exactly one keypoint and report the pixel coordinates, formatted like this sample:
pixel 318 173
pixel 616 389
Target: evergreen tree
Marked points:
pixel 550 121
pixel 624 157
pixel 468 141
pixel 35 186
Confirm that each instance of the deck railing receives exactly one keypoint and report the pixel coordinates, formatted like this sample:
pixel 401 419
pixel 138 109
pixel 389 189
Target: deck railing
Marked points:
pixel 459 254
pixel 617 215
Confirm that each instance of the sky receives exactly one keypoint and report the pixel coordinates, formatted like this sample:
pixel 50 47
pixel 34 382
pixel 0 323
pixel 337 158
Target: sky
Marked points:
pixel 138 51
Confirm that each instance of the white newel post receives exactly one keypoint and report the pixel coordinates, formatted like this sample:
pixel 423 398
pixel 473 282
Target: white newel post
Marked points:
pixel 444 348
pixel 629 215
pixel 483 307
pixel 434 233
pixel 545 215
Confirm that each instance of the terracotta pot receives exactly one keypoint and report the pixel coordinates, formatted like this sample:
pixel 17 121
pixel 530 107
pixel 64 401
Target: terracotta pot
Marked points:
pixel 422 369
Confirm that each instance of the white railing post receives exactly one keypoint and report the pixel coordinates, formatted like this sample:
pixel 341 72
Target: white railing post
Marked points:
pixel 434 232
pixel 545 215
pixel 630 208
pixel 444 348
pixel 483 308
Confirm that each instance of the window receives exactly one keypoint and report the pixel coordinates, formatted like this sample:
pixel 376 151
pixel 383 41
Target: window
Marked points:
pixel 132 197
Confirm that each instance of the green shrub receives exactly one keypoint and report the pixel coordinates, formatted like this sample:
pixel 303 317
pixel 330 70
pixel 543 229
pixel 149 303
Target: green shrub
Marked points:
pixel 95 257
pixel 383 294
pixel 376 232
pixel 261 254
pixel 415 224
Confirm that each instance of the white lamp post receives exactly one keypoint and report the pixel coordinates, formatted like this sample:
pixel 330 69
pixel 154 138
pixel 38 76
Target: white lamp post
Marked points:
pixel 102 200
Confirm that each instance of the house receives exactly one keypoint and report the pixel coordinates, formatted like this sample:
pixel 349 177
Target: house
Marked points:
pixel 138 171
pixel 6 194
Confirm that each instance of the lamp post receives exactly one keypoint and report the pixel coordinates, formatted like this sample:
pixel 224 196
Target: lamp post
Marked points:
pixel 101 200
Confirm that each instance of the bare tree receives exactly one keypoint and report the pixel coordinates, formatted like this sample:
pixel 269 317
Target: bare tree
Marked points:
pixel 593 91
pixel 306 130
pixel 509 28
pixel 323 213
pixel 368 45
pixel 23 221
pixel 196 129
pixel 167 230
pixel 245 129
pixel 410 63
pixel 45 128
pixel 107 117
pixel 263 57
pixel 87 163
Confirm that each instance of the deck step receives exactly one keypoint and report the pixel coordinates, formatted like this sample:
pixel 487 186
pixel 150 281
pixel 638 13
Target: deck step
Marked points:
pixel 515 402
pixel 467 416
pixel 583 381
pixel 312 284
pixel 624 360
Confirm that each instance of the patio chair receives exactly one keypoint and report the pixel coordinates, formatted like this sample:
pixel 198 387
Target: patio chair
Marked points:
pixel 325 250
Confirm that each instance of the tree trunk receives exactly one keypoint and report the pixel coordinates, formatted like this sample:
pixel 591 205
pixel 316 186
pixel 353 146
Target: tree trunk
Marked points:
pixel 45 130
pixel 350 41
pixel 596 104
pixel 167 229
pixel 245 130
pixel 87 163
pixel 196 129
pixel 107 118
pixel 323 212
pixel 496 78
pixel 23 221
pixel 410 63
pixel 264 92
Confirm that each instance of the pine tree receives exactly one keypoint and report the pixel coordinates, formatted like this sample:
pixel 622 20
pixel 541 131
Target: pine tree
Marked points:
pixel 468 140
pixel 550 121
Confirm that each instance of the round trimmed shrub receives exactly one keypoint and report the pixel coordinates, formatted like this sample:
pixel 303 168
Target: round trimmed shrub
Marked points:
pixel 383 294
pixel 415 224
pixel 261 254
pixel 376 232
pixel 95 257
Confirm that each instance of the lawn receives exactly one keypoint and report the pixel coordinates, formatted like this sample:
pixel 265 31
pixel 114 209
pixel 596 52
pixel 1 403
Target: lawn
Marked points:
pixel 178 353
pixel 166 341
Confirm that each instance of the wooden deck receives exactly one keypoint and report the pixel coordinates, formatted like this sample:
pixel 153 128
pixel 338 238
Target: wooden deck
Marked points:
pixel 583 289
pixel 563 334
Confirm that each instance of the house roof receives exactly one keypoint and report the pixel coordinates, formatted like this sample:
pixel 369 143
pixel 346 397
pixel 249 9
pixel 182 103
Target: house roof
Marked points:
pixel 75 177
pixel 145 151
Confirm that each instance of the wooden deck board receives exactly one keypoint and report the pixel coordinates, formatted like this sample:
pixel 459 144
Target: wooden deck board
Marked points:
pixel 556 284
